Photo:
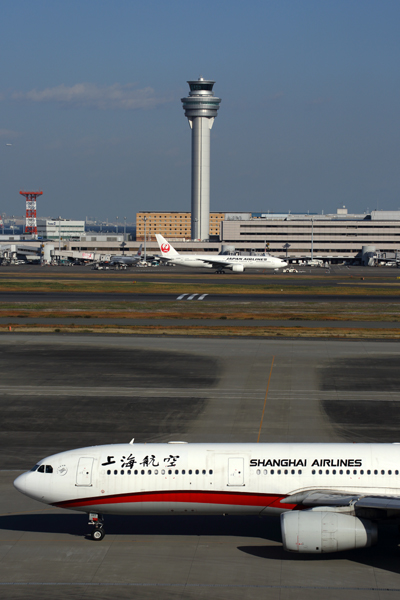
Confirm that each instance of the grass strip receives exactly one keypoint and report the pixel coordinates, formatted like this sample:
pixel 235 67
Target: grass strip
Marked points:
pixel 281 332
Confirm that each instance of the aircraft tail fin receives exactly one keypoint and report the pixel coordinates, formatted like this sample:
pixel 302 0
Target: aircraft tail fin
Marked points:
pixel 167 251
pixel 139 252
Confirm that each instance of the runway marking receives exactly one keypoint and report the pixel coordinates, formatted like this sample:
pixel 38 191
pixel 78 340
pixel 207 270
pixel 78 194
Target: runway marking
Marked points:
pixel 181 297
pixel 191 297
pixel 265 400
pixel 202 297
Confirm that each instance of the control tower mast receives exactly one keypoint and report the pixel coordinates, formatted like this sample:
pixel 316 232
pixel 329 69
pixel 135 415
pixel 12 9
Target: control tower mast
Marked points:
pixel 201 108
pixel 30 223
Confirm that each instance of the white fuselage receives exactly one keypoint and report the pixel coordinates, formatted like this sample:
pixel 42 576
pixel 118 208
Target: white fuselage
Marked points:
pixel 180 478
pixel 228 261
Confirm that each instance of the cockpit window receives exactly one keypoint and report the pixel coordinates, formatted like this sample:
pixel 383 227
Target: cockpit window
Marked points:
pixel 41 469
pixel 49 469
pixel 34 468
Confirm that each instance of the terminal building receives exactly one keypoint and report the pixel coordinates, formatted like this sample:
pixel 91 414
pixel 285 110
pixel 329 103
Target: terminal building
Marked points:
pixel 64 229
pixel 333 237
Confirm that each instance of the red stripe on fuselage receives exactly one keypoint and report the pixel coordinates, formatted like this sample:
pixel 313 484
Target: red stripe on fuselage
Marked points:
pixel 193 497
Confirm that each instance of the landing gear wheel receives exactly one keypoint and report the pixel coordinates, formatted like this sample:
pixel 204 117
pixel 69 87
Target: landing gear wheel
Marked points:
pixel 97 534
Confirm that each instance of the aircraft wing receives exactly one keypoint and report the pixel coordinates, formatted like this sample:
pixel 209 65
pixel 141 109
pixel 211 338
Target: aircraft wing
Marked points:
pixel 326 498
pixel 215 262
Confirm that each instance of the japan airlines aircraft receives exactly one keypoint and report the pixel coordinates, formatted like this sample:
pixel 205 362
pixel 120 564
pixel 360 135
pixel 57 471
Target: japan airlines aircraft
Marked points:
pixel 329 496
pixel 219 261
pixel 127 260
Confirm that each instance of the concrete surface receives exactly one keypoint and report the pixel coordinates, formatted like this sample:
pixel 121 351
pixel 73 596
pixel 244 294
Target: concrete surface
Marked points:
pixel 59 392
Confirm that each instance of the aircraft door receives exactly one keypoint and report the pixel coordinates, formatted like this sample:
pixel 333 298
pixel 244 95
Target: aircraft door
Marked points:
pixel 235 471
pixel 84 471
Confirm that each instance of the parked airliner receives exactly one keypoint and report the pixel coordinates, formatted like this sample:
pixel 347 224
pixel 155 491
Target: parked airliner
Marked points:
pixel 127 260
pixel 217 261
pixel 329 496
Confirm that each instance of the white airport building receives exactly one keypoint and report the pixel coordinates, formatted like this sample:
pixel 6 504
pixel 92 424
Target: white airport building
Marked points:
pixel 63 229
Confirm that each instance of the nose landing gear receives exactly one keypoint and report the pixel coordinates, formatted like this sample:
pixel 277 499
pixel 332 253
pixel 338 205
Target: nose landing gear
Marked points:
pixel 97 521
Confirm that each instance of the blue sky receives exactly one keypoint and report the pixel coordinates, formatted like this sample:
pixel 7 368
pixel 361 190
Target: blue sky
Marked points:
pixel 90 101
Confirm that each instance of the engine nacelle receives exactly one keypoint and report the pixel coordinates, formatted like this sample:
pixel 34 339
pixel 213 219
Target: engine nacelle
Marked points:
pixel 237 268
pixel 323 531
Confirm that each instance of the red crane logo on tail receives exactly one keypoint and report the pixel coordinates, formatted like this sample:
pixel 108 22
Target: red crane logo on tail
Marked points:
pixel 165 248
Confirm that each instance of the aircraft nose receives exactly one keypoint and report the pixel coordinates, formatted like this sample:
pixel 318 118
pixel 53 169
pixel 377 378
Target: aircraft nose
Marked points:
pixel 283 264
pixel 20 483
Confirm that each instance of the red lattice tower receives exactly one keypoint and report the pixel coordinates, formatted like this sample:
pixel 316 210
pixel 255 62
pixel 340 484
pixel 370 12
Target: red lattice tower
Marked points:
pixel 31 225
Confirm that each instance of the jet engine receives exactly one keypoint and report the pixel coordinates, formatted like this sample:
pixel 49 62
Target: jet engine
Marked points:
pixel 318 531
pixel 237 268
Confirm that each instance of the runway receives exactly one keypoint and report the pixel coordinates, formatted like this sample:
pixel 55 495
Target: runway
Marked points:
pixel 60 392
pixel 16 296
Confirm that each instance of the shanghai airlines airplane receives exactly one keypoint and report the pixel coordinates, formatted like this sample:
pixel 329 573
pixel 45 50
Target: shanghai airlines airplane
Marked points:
pixel 219 261
pixel 329 496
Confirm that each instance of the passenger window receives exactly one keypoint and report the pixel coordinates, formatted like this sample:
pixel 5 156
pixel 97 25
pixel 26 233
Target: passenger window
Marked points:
pixel 293 471
pixel 122 472
pixel 382 472
pixel 204 471
pixel 286 471
pixel 169 472
pixel 129 472
pixel 396 472
pixel 265 472
pixel 258 472
pixel 389 472
pixel 348 472
pixel 272 471
pixel 368 472
pixel 149 472
pixel 155 471
pixel 354 472
pixel 162 471
pixel 142 472
pixel 49 469
pixel 327 471
pixel 334 472
pixel 341 472
pixel 375 472
pixel 41 469
pixel 183 471
pixel 190 471
pixel 299 472
pixel 108 472
pixel 197 471
pixel 176 472
pixel 313 471
pixel 320 472
pixel 279 471
pixel 361 472
pixel 115 472
pixel 210 472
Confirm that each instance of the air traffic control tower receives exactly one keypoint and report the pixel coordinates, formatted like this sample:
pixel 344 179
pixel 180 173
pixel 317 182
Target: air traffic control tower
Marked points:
pixel 201 108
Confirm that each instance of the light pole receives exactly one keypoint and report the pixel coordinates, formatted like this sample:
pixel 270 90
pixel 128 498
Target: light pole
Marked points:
pixel 286 247
pixel 145 236
pixel 124 229
pixel 116 227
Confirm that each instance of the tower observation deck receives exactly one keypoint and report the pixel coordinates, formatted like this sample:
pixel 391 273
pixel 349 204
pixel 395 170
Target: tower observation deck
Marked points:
pixel 201 108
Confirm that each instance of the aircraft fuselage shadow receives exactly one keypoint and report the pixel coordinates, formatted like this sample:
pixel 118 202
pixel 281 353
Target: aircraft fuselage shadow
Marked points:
pixel 76 524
